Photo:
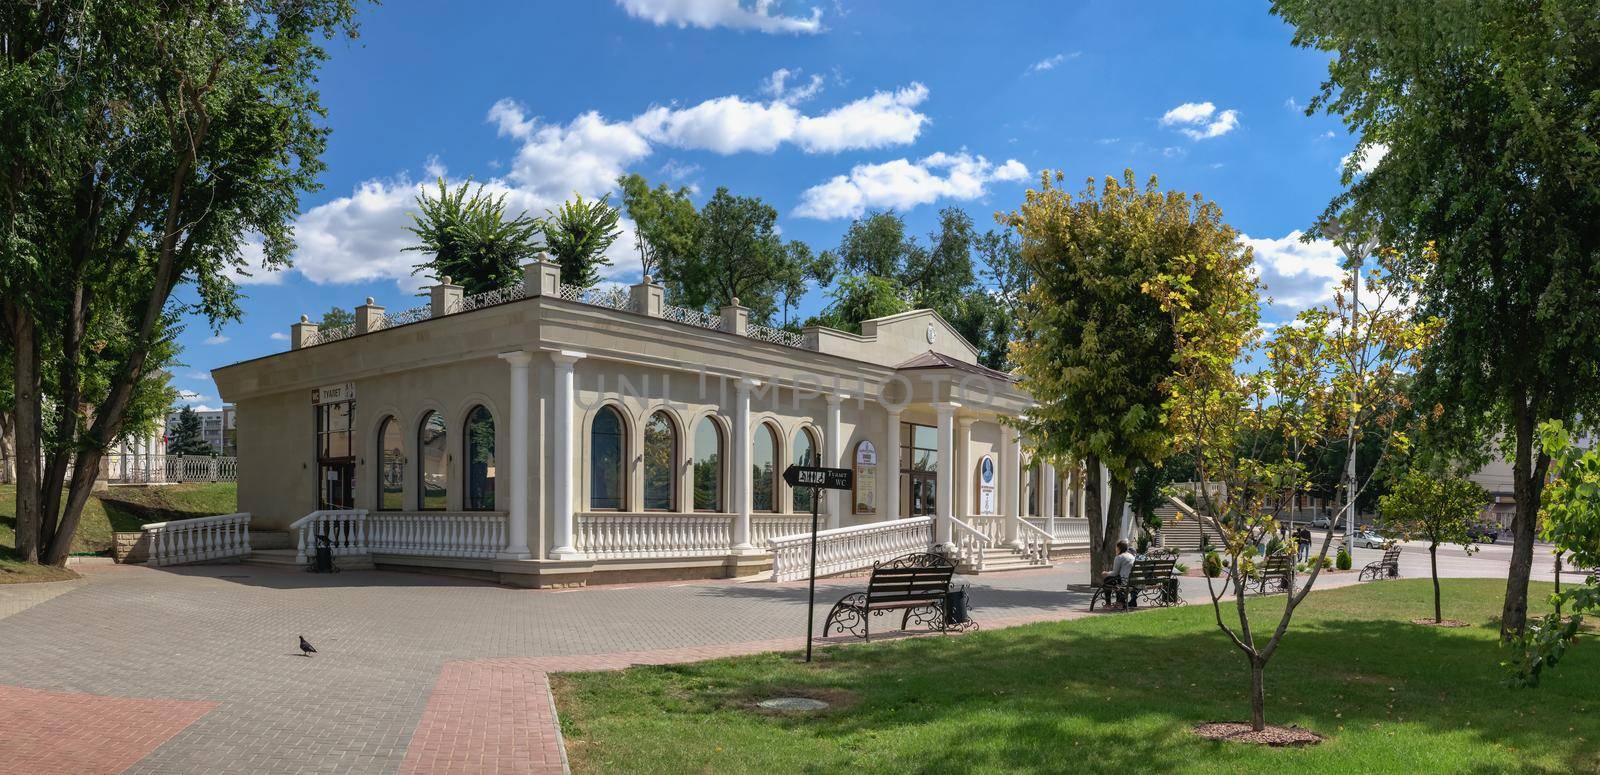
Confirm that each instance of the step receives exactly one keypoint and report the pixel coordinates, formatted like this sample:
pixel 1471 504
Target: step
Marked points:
pixel 1010 565
pixel 286 557
pixel 271 539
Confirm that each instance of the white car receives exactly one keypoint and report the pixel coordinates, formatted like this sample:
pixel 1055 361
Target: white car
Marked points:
pixel 1321 522
pixel 1366 539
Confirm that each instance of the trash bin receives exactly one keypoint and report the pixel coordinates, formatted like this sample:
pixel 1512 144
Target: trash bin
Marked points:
pixel 955 606
pixel 323 562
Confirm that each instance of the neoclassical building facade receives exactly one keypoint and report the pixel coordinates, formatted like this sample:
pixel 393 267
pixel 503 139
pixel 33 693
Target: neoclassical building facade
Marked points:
pixel 545 435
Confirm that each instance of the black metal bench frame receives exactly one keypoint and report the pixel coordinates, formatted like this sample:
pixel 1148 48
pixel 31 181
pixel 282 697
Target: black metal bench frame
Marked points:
pixel 1151 581
pixel 918 584
pixel 1386 568
pixel 1278 572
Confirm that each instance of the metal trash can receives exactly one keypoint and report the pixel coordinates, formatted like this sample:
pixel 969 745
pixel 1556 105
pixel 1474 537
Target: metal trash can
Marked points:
pixel 955 606
pixel 323 562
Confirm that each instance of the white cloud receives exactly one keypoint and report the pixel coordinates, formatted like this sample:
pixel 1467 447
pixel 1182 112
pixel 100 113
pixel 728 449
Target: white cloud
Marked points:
pixel 759 15
pixel 216 339
pixel 1297 274
pixel 254 272
pixel 200 375
pixel 1294 105
pixel 1200 120
pixel 1050 63
pixel 903 184
pixel 279 336
pixel 780 88
pixel 728 125
pixel 1368 160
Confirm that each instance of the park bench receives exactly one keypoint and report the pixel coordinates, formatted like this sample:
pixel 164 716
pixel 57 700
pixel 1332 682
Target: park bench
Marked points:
pixel 1151 580
pixel 918 584
pixel 1386 568
pixel 1277 573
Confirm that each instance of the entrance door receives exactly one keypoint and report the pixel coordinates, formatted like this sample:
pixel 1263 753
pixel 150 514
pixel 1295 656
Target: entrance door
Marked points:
pixel 923 493
pixel 338 486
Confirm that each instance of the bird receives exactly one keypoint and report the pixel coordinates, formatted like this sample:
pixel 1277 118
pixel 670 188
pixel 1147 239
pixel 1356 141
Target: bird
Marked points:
pixel 306 649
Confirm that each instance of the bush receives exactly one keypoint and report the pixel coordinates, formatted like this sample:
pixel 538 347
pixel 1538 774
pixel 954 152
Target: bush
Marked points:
pixel 1212 564
pixel 1180 568
pixel 1343 562
pixel 1327 563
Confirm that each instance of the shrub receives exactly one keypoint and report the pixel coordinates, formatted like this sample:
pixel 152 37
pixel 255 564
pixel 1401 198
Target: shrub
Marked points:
pixel 1212 564
pixel 1343 562
pixel 1327 563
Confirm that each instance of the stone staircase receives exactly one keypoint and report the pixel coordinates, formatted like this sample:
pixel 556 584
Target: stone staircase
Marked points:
pixel 1184 534
pixel 999 558
pixel 277 547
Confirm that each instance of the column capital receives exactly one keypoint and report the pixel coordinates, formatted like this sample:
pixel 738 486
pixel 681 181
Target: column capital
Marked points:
pixel 746 384
pixel 566 357
pixel 965 421
pixel 946 408
pixel 517 357
pixel 835 398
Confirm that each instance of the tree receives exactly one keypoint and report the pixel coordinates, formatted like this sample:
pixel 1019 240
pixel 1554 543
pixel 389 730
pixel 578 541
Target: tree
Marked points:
pixel 338 317
pixel 738 255
pixel 1490 185
pixel 579 234
pixel 1092 346
pixel 1571 520
pixel 1437 508
pixel 1249 433
pixel 188 438
pixel 470 239
pixel 666 225
pixel 141 144
pixel 859 298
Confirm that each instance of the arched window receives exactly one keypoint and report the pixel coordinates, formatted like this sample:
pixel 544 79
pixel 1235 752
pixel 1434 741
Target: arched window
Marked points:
pixel 431 476
pixel 660 463
pixel 708 466
pixel 480 460
pixel 607 451
pixel 391 467
pixel 764 469
pixel 805 451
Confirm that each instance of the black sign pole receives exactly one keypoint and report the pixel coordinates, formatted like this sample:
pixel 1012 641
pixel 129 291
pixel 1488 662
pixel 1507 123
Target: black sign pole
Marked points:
pixel 811 598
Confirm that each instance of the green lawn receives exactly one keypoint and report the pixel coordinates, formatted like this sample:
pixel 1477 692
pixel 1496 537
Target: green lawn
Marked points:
pixel 1115 693
pixel 120 509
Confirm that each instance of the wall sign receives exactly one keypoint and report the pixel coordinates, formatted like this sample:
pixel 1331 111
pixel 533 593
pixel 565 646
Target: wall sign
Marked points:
pixel 986 493
pixel 333 394
pixel 866 465
pixel 932 334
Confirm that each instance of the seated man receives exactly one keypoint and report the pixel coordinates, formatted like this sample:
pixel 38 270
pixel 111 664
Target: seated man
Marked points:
pixel 1121 569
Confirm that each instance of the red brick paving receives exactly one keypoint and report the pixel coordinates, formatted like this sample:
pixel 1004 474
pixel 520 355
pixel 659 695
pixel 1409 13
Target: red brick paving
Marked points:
pixel 68 732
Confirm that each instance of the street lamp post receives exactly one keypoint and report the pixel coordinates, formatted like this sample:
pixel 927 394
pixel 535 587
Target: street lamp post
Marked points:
pixel 1355 255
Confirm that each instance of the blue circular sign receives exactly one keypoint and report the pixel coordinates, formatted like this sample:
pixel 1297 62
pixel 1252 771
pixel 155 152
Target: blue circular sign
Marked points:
pixel 988 470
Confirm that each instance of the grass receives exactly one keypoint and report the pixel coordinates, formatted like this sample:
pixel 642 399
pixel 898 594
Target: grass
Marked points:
pixel 1114 693
pixel 119 509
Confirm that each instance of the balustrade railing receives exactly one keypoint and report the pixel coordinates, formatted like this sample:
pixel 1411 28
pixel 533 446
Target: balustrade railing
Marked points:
pixel 766 528
pixel 470 534
pixel 331 334
pixel 164 469
pixel 774 335
pixel 345 530
pixel 198 540
pixel 487 298
pixel 1070 532
pixel 691 317
pixel 1034 542
pixel 637 536
pixel 970 542
pixel 846 549
pixel 406 317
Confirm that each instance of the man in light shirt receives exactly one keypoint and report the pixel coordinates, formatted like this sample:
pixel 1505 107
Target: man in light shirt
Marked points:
pixel 1121 570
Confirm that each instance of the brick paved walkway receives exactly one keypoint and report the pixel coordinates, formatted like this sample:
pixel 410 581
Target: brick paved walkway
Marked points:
pixel 416 673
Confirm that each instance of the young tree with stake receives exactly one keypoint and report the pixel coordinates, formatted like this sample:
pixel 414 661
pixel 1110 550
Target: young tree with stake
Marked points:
pixel 1434 507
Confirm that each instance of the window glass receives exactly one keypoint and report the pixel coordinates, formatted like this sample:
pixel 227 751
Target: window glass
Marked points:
pixel 480 460
pixel 391 467
pixel 708 466
pixel 431 458
pixel 660 463
pixel 763 470
pixel 805 449
pixel 606 447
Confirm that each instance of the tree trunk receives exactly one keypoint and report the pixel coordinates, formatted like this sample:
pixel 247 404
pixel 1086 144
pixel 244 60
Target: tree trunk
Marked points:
pixel 1258 695
pixel 8 470
pixel 1433 559
pixel 1527 476
pixel 1094 512
pixel 1113 511
pixel 26 419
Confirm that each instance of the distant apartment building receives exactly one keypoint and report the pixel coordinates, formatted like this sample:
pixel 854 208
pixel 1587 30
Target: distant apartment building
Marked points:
pixel 217 428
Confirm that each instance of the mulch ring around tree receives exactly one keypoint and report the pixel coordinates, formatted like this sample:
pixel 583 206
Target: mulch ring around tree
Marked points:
pixel 1428 622
pixel 1240 732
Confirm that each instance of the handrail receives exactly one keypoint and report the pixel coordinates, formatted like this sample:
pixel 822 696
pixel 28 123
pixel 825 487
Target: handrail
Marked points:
pixel 203 538
pixel 1035 528
pixel 974 532
pixel 346 530
pixel 850 548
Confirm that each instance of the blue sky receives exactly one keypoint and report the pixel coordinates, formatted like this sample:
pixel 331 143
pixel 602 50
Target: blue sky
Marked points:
pixel 822 108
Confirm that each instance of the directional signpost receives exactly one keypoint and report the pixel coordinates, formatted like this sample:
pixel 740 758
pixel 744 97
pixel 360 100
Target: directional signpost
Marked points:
pixel 818 479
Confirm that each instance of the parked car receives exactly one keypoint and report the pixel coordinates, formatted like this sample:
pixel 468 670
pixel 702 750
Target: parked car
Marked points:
pixel 1322 522
pixel 1367 539
pixel 1484 533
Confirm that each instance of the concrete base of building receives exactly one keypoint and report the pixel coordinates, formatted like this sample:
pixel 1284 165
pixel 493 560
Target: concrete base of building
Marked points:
pixel 554 574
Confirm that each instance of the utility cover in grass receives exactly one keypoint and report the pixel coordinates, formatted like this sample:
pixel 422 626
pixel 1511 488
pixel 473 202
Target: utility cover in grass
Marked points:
pixel 792 704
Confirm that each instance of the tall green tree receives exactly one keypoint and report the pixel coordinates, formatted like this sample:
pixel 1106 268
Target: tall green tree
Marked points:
pixel 1092 345
pixel 337 317
pixel 579 234
pixel 470 239
pixel 862 297
pixel 141 144
pixel 1485 117
pixel 738 255
pixel 188 436
pixel 666 224
pixel 1436 507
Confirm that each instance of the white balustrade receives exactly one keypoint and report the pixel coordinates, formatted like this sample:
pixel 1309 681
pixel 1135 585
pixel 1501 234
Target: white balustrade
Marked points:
pixel 846 549
pixel 971 540
pixel 634 536
pixel 198 540
pixel 345 530
pixel 1071 532
pixel 1035 542
pixel 469 534
pixel 764 528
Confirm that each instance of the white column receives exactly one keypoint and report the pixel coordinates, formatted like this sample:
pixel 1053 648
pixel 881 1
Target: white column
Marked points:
pixel 1013 488
pixel 1105 495
pixel 943 507
pixel 889 469
pixel 517 539
pixel 741 466
pixel 963 467
pixel 1047 497
pixel 563 455
pixel 1081 491
pixel 831 453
